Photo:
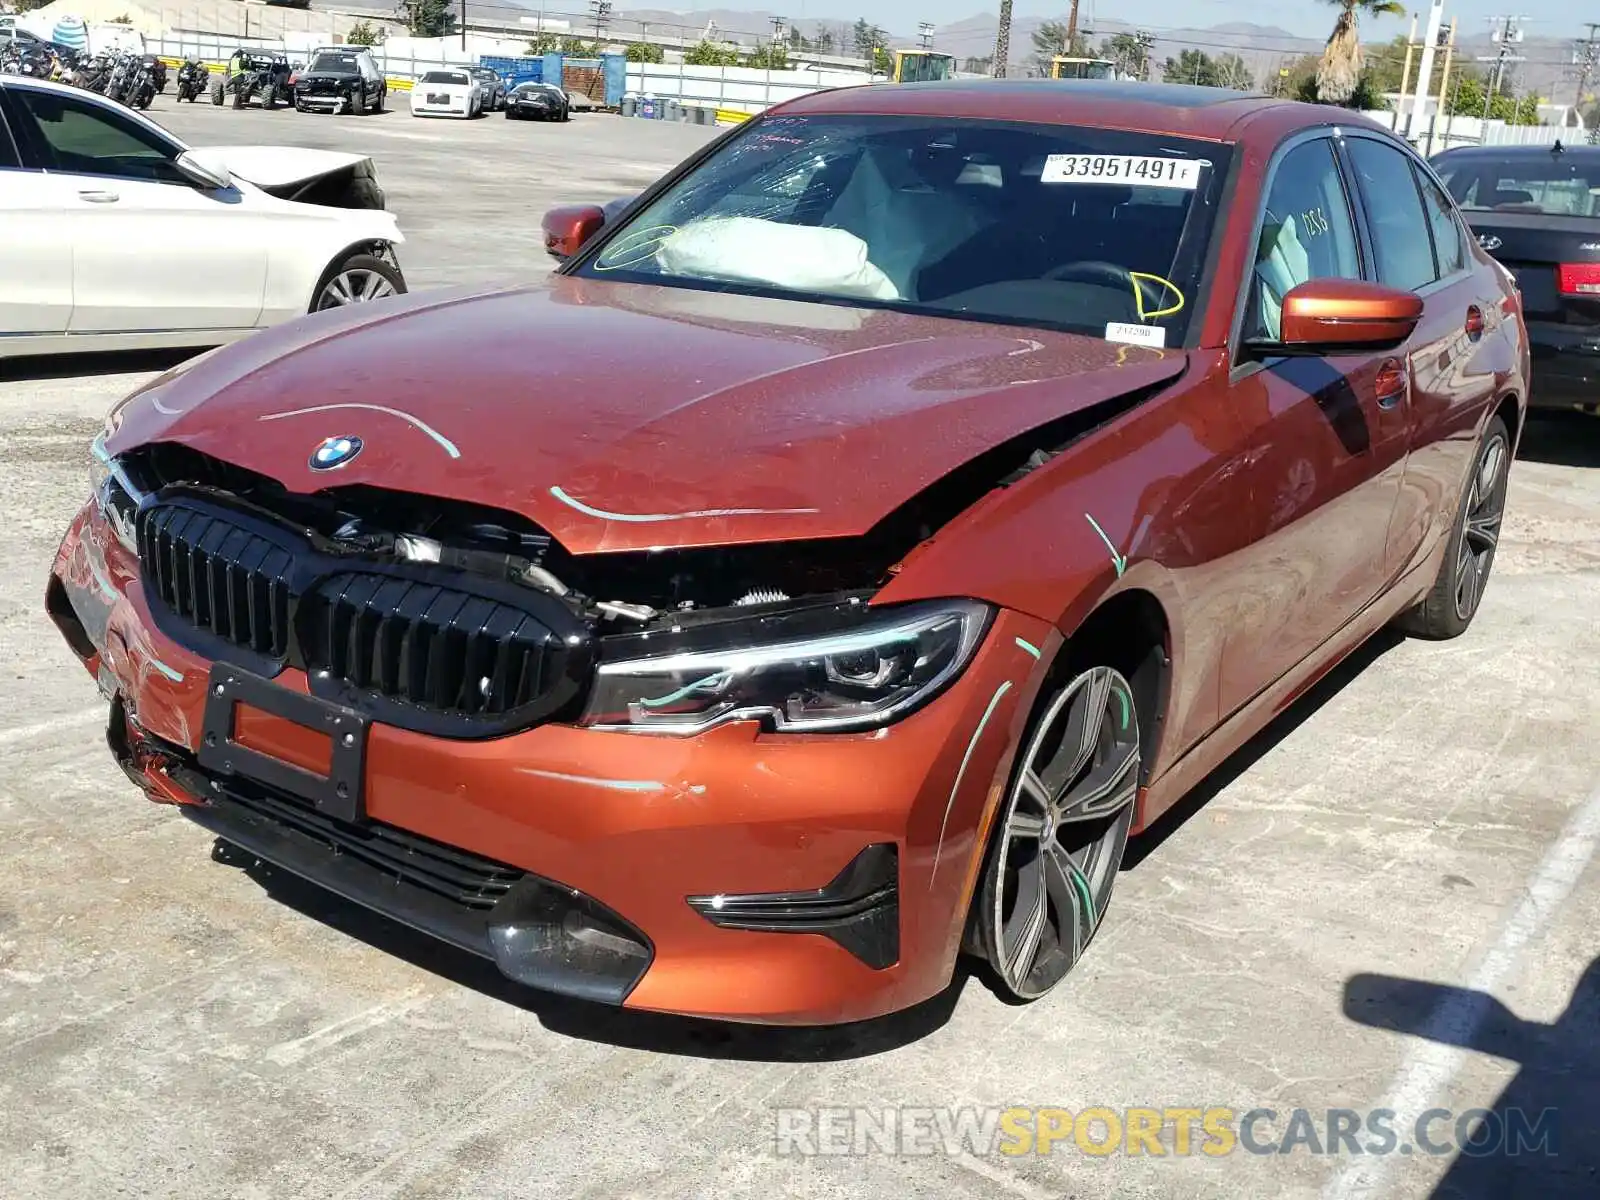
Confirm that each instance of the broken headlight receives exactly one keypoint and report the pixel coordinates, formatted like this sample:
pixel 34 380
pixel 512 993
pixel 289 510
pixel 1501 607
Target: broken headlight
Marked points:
pixel 873 667
pixel 112 492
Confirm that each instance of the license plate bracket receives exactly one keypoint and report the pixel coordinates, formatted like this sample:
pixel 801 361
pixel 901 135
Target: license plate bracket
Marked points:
pixel 338 795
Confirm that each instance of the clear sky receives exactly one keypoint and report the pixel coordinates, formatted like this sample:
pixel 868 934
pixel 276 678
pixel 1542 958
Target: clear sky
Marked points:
pixel 1545 18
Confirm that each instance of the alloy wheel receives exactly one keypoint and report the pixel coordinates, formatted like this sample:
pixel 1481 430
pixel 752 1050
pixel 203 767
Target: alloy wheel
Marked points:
pixel 1064 826
pixel 354 286
pixel 1480 530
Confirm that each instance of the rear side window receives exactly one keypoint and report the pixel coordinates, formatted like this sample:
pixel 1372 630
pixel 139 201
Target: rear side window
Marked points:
pixel 1400 240
pixel 1449 248
pixel 9 159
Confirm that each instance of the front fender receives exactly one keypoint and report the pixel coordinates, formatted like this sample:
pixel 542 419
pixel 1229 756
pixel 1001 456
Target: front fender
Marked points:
pixel 1157 499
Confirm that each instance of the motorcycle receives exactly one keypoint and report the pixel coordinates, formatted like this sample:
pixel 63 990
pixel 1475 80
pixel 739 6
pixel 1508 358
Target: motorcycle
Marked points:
pixel 29 60
pixel 93 73
pixel 194 77
pixel 158 72
pixel 120 78
pixel 141 88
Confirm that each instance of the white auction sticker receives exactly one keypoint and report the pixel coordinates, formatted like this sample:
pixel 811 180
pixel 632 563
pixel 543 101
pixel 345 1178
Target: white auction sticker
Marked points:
pixel 1136 335
pixel 1122 168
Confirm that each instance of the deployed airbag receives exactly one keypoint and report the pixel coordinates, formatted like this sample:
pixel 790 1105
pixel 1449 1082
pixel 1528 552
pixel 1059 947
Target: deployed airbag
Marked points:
pixel 802 258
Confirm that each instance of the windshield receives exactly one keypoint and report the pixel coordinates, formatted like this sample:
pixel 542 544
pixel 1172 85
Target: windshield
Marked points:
pixel 444 77
pixel 924 68
pixel 1059 226
pixel 338 64
pixel 1557 184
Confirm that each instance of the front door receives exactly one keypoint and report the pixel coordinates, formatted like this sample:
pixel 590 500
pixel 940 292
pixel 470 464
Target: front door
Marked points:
pixel 151 251
pixel 1328 438
pixel 35 252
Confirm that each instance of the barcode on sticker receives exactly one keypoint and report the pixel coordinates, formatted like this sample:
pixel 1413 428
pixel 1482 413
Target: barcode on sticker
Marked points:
pixel 1122 168
pixel 1136 335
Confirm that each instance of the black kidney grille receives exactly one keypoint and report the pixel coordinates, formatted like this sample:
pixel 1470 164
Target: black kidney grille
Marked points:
pixel 429 645
pixel 219 577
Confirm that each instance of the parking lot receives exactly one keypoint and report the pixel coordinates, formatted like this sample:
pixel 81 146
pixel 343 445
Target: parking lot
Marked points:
pixel 1388 901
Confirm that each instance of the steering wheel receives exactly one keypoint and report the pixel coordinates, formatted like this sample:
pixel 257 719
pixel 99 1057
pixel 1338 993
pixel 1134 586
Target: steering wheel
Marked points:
pixel 1095 270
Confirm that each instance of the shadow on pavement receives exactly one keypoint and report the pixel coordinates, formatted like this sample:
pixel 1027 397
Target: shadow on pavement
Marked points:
pixel 1242 759
pixel 631 1028
pixel 70 366
pixel 1542 1137
pixel 1562 439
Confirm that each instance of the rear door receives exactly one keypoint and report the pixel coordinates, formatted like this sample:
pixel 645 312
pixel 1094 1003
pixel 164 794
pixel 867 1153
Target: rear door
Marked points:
pixel 35 244
pixel 1447 365
pixel 151 251
pixel 1539 214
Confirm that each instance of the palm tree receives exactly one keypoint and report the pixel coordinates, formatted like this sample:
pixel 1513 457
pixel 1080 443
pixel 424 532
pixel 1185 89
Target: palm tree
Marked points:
pixel 1339 70
pixel 1002 40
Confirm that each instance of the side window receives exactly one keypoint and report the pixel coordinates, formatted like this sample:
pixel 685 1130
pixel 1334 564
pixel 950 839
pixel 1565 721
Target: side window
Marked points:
pixel 1449 250
pixel 84 138
pixel 1400 241
pixel 1307 233
pixel 10 160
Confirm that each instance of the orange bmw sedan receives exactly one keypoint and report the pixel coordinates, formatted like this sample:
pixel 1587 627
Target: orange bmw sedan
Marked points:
pixel 863 533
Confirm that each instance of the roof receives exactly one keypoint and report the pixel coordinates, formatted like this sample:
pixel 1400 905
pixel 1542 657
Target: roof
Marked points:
pixel 1174 108
pixel 1580 149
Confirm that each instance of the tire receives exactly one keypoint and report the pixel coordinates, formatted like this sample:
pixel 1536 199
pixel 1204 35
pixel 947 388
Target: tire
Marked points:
pixel 383 94
pixel 1452 601
pixel 362 266
pixel 269 99
pixel 216 94
pixel 1060 833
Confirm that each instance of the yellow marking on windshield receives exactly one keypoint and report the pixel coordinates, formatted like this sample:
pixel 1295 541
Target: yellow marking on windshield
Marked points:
pixel 1138 296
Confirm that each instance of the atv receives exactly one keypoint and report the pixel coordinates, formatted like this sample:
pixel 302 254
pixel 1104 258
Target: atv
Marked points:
pixel 252 73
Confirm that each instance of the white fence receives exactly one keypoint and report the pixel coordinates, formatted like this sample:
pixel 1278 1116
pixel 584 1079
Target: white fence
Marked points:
pixel 747 89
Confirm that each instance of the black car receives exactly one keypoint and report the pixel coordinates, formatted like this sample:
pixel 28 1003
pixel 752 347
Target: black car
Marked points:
pixel 543 101
pixel 492 87
pixel 344 80
pixel 1537 210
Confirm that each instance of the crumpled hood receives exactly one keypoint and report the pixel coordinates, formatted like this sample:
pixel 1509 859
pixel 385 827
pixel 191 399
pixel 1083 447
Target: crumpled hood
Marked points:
pixel 279 166
pixel 623 417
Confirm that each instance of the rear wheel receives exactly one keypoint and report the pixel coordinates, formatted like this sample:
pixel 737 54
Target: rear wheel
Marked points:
pixel 216 93
pixel 1452 602
pixel 1060 834
pixel 358 279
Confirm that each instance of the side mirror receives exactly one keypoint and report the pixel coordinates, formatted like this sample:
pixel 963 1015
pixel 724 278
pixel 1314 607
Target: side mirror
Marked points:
pixel 569 227
pixel 1324 316
pixel 203 170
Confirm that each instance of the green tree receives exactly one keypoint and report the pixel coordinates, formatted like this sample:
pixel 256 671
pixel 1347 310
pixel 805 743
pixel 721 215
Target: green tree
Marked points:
pixel 1050 39
pixel 1231 71
pixel 643 52
pixel 1127 51
pixel 1366 97
pixel 824 42
pixel 541 44
pixel 977 66
pixel 711 54
pixel 1191 66
pixel 1340 69
pixel 578 48
pixel 771 57
pixel 882 61
pixel 427 18
pixel 362 33
pixel 23 6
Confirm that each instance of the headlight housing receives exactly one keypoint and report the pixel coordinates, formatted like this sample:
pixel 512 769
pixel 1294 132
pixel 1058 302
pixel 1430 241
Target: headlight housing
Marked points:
pixel 112 491
pixel 835 669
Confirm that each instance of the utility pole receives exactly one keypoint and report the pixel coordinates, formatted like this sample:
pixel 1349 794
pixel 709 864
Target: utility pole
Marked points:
pixel 925 35
pixel 600 9
pixel 1072 28
pixel 1147 41
pixel 1509 33
pixel 1002 41
pixel 1444 84
pixel 1586 53
pixel 1430 39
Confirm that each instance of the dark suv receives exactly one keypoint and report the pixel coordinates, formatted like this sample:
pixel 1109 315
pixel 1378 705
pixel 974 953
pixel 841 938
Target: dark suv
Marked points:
pixel 342 79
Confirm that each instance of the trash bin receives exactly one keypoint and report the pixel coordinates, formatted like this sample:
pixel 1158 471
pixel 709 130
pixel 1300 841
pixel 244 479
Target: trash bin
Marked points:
pixel 630 105
pixel 647 108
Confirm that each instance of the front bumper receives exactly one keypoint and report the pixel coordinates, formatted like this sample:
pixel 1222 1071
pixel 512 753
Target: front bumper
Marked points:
pixel 732 861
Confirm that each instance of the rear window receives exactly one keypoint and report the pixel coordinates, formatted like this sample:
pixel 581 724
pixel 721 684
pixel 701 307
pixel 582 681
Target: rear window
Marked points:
pixel 340 64
pixel 1092 230
pixel 445 77
pixel 1557 184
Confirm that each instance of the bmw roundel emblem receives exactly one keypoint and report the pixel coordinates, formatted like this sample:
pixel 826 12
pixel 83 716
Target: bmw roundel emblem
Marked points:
pixel 335 452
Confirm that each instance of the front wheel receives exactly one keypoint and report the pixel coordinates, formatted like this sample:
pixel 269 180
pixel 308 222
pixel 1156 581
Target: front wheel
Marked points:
pixel 358 279
pixel 216 94
pixel 1452 602
pixel 1060 834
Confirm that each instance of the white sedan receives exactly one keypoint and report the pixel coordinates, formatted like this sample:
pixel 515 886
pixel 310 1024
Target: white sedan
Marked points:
pixel 447 93
pixel 117 236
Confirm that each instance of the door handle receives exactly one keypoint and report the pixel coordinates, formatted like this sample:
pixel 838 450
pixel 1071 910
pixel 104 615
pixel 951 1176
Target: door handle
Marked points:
pixel 1391 383
pixel 94 197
